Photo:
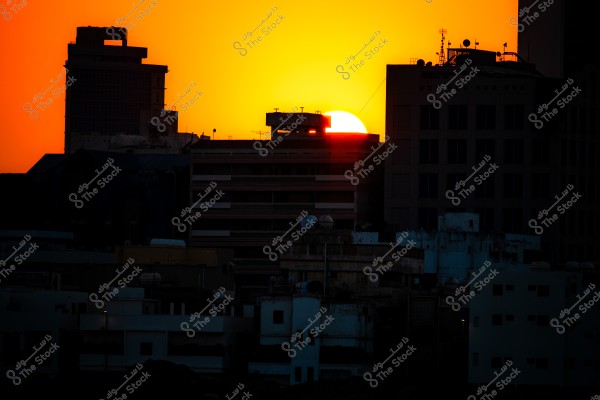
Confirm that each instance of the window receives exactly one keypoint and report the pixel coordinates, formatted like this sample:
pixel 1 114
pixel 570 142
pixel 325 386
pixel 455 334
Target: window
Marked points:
pixel 513 186
pixel 496 319
pixel 540 186
pixel 298 374
pixel 513 116
pixel 541 363
pixel 485 147
pixel 531 318
pixel 496 362
pixel 512 220
pixel 428 186
pixel 486 117
pixel 531 288
pixel 457 117
pixel 510 288
pixel 486 189
pixel 486 219
pixel 509 318
pixel 145 349
pixel 543 320
pixel 453 179
pixel 457 151
pixel 541 151
pixel 428 218
pixel 430 118
pixel 497 290
pixel 428 151
pixel 543 291
pixel 310 374
pixel 513 151
pixel 277 317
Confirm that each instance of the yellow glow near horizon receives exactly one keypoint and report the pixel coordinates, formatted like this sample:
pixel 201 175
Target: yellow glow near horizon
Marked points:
pixel 247 58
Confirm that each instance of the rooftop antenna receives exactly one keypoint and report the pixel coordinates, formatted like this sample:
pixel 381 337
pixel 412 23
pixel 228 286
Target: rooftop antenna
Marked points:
pixel 260 133
pixel 441 53
pixel 214 130
pixel 276 109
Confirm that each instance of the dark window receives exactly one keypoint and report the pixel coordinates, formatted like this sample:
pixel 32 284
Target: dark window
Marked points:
pixel 145 349
pixel 512 220
pixel 427 218
pixel 513 116
pixel 510 288
pixel 531 318
pixel 457 151
pixel 543 320
pixel 453 179
pixel 509 317
pixel 486 219
pixel 543 290
pixel 496 319
pixel 430 118
pixel 298 374
pixel 540 186
pixel 486 189
pixel 486 117
pixel 496 362
pixel 485 147
pixel 457 117
pixel 428 186
pixel 513 151
pixel 541 151
pixel 310 372
pixel 513 186
pixel 531 288
pixel 277 317
pixel 541 363
pixel 428 151
pixel 497 290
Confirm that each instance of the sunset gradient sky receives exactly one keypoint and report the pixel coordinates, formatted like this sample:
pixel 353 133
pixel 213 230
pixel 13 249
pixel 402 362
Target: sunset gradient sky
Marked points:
pixel 294 64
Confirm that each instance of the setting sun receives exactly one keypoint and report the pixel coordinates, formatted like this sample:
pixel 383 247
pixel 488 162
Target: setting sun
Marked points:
pixel 343 121
pixel 245 60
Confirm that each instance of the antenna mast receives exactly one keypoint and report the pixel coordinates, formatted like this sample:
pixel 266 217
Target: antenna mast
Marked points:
pixel 442 54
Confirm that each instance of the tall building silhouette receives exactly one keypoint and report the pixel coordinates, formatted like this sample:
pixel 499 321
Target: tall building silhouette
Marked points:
pixel 114 97
pixel 444 134
pixel 553 36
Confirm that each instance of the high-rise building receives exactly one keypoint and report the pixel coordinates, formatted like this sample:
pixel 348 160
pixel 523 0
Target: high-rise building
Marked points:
pixel 114 101
pixel 468 140
pixel 553 36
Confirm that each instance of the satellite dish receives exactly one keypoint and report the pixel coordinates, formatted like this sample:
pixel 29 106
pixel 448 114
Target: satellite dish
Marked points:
pixel 466 42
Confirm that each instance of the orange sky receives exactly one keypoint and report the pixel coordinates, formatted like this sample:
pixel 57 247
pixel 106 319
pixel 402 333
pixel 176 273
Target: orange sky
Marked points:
pixel 293 65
